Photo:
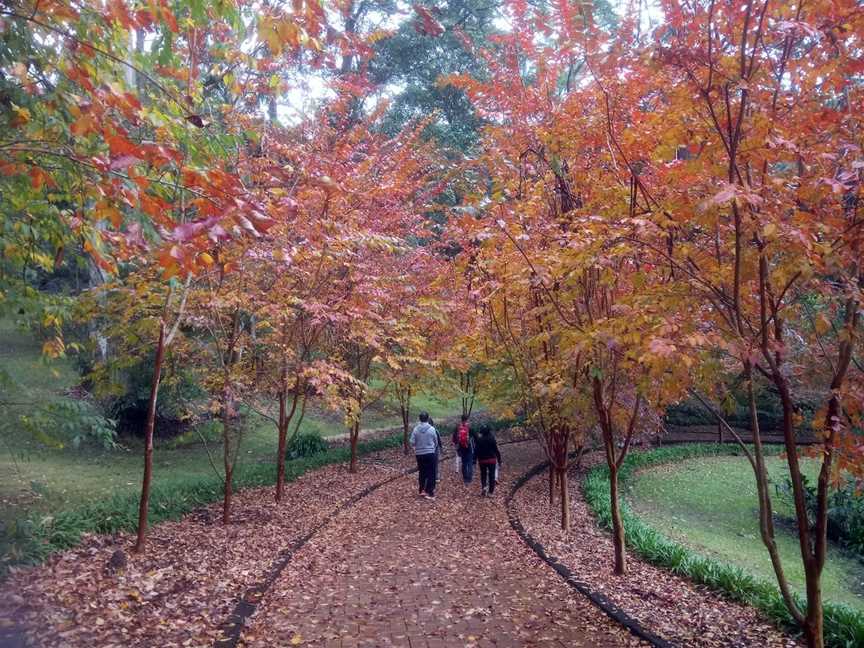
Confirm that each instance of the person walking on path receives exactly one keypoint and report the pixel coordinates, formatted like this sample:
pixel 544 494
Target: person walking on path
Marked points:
pixel 463 441
pixel 424 438
pixel 488 456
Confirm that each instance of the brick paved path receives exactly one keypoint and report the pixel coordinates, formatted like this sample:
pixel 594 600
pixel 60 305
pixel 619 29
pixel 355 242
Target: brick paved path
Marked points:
pixel 396 570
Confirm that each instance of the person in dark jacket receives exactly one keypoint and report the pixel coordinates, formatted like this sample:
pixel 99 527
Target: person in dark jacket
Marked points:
pixel 486 454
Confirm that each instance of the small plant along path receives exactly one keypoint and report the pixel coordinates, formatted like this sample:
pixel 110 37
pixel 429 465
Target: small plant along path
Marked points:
pixel 397 570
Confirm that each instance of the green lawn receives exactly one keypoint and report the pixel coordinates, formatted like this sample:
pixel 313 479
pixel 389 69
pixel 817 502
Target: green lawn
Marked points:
pixel 36 478
pixel 710 505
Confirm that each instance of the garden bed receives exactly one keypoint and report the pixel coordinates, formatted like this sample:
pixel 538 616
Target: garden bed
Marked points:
pixel 668 604
pixel 843 626
pixel 185 587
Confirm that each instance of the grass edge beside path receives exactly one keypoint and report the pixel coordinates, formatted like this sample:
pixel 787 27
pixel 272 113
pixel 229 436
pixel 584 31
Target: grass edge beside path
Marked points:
pixel 32 539
pixel 844 627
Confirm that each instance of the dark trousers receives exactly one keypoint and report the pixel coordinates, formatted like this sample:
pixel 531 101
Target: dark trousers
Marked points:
pixel 426 464
pixel 487 476
pixel 467 458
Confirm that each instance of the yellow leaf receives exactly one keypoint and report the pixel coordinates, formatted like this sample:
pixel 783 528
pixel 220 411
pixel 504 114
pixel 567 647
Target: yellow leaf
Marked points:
pixel 23 113
pixel 821 324
pixel 205 258
pixel 297 640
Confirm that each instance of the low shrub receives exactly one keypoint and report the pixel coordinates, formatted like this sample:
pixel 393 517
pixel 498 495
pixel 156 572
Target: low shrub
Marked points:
pixel 845 512
pixel 844 627
pixel 691 412
pixel 60 423
pixel 125 393
pixel 30 540
pixel 208 430
pixel 306 444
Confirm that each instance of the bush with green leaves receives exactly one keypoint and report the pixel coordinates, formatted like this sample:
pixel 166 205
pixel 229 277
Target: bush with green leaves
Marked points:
pixel 844 627
pixel 735 410
pixel 128 396
pixel 306 444
pixel 66 422
pixel 845 512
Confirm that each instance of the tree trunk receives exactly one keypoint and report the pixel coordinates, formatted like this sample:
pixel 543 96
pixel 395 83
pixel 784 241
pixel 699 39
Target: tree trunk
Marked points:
pixel 227 456
pixel 405 424
pixel 812 570
pixel 565 499
pixel 813 625
pixel 144 504
pixel 355 435
pixel 617 524
pixel 405 408
pixel 285 417
pixel 283 442
pixel 226 498
pixel 552 483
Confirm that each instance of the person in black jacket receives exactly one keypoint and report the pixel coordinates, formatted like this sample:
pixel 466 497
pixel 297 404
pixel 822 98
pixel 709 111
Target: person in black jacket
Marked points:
pixel 486 454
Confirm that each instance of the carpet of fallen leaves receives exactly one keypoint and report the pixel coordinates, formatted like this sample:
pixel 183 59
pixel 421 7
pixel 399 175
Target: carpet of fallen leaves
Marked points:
pixel 672 607
pixel 187 583
pixel 398 570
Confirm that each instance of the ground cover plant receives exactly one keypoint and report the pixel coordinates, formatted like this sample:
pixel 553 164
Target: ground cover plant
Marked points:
pixel 30 539
pixel 844 625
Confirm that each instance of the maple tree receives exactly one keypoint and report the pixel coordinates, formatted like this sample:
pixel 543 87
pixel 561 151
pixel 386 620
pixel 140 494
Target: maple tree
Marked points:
pixel 723 171
pixel 651 211
pixel 774 248
pixel 566 297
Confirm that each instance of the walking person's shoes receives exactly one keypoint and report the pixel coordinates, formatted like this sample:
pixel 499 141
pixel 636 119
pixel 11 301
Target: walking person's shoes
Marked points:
pixel 431 498
pixel 485 492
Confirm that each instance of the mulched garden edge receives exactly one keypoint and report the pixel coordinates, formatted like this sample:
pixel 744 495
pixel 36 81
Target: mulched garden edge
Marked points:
pixel 599 600
pixel 844 626
pixel 119 513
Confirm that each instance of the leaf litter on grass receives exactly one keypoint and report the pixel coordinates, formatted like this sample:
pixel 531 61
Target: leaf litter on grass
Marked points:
pixel 672 607
pixel 193 572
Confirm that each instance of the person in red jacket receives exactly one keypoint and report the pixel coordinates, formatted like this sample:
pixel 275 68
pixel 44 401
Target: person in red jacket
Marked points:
pixel 463 441
pixel 488 456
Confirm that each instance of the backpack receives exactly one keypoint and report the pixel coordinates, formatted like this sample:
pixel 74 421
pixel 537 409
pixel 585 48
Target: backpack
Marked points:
pixel 462 436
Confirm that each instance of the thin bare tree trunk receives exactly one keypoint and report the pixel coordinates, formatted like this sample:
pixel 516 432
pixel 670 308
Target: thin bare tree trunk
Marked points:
pixel 552 483
pixel 405 410
pixel 355 435
pixel 565 499
pixel 283 440
pixel 617 524
pixel 813 626
pixel 227 455
pixel 144 503
pixel 285 418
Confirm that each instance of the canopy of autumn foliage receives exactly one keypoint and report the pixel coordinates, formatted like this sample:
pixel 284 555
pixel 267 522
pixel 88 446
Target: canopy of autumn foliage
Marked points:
pixel 664 204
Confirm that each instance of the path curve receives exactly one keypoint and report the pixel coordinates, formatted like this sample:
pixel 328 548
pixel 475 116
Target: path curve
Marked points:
pixel 397 570
pixel 597 598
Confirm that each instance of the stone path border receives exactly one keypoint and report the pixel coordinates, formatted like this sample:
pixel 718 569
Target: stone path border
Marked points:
pixel 599 600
